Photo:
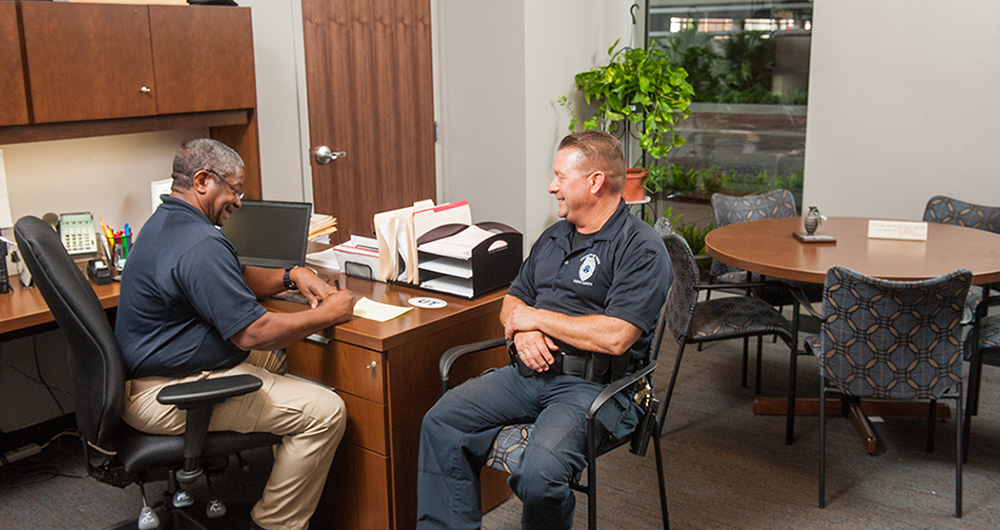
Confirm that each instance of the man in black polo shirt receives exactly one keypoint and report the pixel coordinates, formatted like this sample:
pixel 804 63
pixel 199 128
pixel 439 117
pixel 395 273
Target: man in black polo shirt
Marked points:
pixel 189 311
pixel 590 293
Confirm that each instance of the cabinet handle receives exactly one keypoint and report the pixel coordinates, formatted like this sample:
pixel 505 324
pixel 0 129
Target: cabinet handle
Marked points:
pixel 371 366
pixel 145 90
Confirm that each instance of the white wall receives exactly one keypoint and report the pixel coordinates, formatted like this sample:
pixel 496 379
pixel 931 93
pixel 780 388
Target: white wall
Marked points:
pixel 500 123
pixel 902 106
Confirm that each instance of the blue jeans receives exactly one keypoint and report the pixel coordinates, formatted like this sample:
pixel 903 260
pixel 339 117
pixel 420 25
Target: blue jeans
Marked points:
pixel 458 431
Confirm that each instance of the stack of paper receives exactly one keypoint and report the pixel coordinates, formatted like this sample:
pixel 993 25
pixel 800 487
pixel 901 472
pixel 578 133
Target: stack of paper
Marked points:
pixel 321 224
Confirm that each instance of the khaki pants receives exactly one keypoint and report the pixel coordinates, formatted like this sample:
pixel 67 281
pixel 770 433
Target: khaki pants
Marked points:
pixel 311 419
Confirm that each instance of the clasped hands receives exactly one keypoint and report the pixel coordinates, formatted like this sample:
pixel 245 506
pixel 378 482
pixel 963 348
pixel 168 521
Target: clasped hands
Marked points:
pixel 314 289
pixel 534 347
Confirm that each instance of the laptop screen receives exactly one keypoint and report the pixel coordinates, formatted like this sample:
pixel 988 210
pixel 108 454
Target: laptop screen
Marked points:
pixel 269 233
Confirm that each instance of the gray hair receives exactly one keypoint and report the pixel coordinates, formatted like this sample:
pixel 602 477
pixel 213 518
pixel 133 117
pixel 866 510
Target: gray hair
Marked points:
pixel 204 153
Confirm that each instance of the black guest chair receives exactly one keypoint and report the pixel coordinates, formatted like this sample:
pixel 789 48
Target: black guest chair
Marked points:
pixel 98 374
pixel 509 444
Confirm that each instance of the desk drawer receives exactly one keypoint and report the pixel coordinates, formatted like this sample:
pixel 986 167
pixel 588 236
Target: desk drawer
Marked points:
pixel 342 366
pixel 365 423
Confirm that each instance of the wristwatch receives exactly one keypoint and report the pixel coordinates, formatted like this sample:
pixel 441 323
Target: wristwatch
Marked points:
pixel 289 284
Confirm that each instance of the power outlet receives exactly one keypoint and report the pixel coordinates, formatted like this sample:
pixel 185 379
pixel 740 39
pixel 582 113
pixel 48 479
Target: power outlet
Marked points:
pixel 23 452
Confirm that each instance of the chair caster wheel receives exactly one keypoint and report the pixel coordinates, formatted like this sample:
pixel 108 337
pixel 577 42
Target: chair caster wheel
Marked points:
pixel 148 520
pixel 182 499
pixel 215 508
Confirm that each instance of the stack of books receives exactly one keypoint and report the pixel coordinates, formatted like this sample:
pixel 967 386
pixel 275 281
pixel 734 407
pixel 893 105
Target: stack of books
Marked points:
pixel 321 224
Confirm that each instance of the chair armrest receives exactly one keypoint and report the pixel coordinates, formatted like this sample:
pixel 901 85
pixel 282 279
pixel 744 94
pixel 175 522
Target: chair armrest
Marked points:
pixel 449 357
pixel 804 303
pixel 617 386
pixel 984 306
pixel 208 391
pixel 744 285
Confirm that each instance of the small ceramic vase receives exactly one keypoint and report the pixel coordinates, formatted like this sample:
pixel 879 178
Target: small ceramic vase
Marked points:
pixel 812 219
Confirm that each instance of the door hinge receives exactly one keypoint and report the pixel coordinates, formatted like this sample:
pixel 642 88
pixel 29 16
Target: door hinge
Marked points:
pixel 435 131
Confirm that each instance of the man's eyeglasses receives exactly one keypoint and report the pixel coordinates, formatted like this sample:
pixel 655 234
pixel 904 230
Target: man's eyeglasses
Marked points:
pixel 237 193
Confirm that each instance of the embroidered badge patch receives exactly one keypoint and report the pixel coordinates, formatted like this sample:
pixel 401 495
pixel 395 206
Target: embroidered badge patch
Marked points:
pixel 588 265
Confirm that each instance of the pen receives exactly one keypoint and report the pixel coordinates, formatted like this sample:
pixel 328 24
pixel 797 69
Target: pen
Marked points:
pixel 336 283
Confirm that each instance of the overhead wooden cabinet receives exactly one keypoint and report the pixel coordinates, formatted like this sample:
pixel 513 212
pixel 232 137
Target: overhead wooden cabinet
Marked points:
pixel 102 69
pixel 88 61
pixel 203 58
pixel 13 105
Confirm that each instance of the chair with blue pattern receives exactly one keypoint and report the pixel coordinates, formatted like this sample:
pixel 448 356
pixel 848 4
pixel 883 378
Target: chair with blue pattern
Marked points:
pixel 694 322
pixel 883 339
pixel 732 209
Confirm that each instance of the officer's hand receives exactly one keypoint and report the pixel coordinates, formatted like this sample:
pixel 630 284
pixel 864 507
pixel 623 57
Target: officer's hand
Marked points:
pixel 535 349
pixel 521 318
pixel 312 287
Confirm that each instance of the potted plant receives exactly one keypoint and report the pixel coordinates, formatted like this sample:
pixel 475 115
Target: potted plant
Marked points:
pixel 639 94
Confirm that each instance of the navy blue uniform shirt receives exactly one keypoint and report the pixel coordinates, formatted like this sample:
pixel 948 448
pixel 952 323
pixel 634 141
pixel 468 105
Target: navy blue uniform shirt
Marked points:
pixel 183 296
pixel 623 271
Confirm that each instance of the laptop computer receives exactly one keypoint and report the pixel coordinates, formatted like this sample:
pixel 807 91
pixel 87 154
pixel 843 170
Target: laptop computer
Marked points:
pixel 270 233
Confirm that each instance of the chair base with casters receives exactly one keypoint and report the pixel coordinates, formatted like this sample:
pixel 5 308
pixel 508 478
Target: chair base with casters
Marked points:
pixel 509 444
pixel 98 375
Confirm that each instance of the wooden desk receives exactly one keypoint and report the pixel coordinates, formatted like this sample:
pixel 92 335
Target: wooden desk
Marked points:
pixel 386 373
pixel 767 247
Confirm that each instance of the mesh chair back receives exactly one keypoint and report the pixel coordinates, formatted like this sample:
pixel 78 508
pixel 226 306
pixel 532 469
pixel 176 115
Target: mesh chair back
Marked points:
pixel 892 340
pixel 682 296
pixel 729 209
pixel 941 209
pixel 95 361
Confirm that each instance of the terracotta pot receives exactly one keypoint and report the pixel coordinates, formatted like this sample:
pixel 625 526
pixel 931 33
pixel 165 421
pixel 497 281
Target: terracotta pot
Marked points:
pixel 635 184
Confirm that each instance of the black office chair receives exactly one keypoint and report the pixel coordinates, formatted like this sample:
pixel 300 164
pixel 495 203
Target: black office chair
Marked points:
pixel 98 373
pixel 509 444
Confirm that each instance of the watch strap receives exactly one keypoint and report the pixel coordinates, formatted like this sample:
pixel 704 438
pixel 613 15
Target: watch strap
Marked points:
pixel 287 279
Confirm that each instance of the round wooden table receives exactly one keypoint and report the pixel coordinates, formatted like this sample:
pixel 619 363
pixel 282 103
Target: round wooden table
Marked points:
pixel 767 247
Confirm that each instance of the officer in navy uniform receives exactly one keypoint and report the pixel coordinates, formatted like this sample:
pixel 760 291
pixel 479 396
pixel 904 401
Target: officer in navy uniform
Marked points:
pixel 581 313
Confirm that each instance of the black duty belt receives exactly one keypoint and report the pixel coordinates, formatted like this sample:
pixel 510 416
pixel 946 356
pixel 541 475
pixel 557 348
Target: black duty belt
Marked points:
pixel 587 365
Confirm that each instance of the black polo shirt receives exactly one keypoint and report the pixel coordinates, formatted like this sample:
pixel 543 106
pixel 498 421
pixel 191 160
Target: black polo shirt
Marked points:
pixel 623 271
pixel 183 296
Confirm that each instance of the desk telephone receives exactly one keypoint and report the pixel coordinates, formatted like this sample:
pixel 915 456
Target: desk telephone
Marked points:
pixel 76 230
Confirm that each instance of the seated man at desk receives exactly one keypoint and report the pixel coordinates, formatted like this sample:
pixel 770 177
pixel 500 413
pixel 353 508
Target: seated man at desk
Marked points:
pixel 189 311
pixel 590 292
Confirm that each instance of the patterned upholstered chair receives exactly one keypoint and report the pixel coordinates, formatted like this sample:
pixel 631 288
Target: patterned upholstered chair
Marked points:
pixel 694 322
pixel 729 209
pixel 509 444
pixel 984 339
pixel 945 210
pixel 883 339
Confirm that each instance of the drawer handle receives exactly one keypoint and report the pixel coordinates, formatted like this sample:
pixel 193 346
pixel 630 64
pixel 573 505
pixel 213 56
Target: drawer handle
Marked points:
pixel 372 365
pixel 145 90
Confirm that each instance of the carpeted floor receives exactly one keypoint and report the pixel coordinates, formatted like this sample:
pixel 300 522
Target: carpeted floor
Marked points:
pixel 725 467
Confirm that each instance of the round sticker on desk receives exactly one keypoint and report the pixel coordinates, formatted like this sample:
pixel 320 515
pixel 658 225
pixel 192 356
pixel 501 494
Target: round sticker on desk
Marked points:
pixel 427 302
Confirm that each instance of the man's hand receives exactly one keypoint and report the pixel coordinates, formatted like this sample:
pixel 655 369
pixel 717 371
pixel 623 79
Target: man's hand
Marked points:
pixel 312 287
pixel 535 349
pixel 339 303
pixel 521 318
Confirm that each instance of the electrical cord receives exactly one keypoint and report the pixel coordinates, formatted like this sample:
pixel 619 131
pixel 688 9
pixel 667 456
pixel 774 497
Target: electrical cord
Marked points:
pixel 38 368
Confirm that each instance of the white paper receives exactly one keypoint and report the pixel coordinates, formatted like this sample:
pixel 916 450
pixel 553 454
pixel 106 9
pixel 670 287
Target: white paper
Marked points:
pixel 157 188
pixel 6 220
pixel 372 310
pixel 460 245
pixel 449 284
pixel 450 266
pixel 325 258
pixel 906 230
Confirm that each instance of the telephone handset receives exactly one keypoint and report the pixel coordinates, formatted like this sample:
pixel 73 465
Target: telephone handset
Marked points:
pixel 76 230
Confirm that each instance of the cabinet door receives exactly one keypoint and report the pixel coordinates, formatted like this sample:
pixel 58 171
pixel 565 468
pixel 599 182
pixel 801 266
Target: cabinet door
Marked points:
pixel 203 58
pixel 13 105
pixel 88 61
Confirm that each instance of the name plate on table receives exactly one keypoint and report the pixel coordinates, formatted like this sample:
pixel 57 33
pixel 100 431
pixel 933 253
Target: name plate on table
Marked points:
pixel 907 230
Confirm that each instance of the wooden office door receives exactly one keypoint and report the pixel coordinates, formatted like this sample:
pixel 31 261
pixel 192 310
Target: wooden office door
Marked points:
pixel 369 83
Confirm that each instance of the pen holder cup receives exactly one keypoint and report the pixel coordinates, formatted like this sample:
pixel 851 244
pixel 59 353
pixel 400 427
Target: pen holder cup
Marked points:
pixel 118 255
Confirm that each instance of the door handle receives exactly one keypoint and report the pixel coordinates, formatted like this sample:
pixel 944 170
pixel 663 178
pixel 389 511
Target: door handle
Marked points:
pixel 324 155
